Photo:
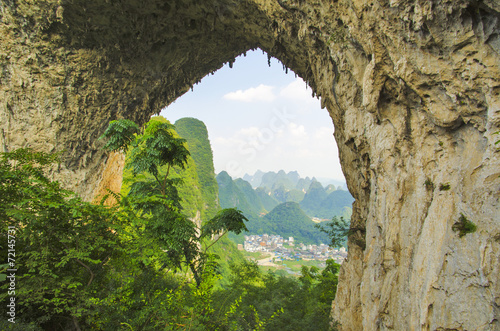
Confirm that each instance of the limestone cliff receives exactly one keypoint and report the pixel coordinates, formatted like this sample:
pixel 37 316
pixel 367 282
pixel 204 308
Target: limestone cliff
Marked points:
pixel 412 87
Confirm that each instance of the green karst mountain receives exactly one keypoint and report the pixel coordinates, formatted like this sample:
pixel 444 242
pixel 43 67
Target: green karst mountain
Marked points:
pixel 256 179
pixel 325 202
pixel 288 220
pixel 231 195
pixel 313 198
pixel 251 196
pixel 272 180
pixel 330 188
pixel 268 201
pixel 335 203
pixel 196 134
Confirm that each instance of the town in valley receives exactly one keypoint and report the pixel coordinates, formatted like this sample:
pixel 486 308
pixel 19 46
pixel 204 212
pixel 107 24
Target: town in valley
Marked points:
pixel 281 249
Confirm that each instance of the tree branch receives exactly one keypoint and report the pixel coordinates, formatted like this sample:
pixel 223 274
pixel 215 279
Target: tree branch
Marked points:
pixel 92 275
pixel 215 241
pixel 75 323
pixel 162 190
pixel 165 179
pixel 90 270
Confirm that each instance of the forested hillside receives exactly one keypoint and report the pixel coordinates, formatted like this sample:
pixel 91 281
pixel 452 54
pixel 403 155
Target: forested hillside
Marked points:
pixel 288 220
pixel 231 195
pixel 196 135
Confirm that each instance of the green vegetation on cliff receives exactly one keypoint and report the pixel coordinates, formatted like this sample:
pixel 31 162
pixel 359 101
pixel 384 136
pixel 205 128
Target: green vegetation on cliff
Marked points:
pixel 195 133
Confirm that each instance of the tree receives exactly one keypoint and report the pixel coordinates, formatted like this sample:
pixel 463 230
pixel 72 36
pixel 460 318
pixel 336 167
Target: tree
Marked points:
pixel 155 150
pixel 338 230
pixel 277 302
pixel 61 245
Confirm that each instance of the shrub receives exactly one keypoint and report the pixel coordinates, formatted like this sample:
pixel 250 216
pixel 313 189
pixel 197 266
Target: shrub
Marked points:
pixel 464 226
pixel 444 187
pixel 429 185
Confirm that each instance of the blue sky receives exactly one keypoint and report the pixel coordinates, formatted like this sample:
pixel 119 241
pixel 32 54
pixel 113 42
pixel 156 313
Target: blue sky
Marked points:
pixel 258 117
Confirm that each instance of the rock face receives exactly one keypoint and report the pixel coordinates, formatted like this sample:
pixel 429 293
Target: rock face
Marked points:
pixel 412 87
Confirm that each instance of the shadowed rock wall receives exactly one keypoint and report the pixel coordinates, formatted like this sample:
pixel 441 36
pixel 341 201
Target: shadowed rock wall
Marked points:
pixel 412 88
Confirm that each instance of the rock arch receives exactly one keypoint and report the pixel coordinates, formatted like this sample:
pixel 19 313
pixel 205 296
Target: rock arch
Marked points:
pixel 412 88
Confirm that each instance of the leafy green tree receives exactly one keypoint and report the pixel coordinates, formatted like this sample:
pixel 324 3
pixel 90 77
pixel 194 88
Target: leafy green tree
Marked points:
pixel 257 301
pixel 156 202
pixel 62 244
pixel 87 266
pixel 338 230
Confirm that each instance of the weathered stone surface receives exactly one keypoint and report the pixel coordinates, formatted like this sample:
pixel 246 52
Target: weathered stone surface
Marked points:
pixel 412 87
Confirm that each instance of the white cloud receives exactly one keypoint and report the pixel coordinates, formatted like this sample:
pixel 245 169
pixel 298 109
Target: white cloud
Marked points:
pixel 224 142
pixel 297 131
pixel 324 133
pixel 298 90
pixel 260 93
pixel 250 132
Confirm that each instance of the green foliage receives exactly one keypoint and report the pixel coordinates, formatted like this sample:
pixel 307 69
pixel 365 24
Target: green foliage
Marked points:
pixel 429 185
pixel 444 187
pixel 62 242
pixel 196 135
pixel 228 253
pixel 337 230
pixel 155 148
pixel 156 202
pixel 229 219
pixel 258 301
pixel 464 226
pixel 3 268
pixel 119 135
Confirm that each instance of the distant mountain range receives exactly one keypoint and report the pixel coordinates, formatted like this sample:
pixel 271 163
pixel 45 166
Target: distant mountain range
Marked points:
pixel 260 193
pixel 281 203
pixel 266 179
